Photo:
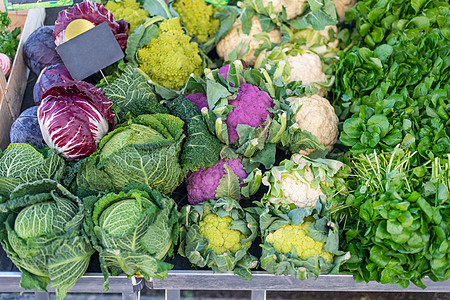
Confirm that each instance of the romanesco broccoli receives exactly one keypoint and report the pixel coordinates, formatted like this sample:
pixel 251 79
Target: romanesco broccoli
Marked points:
pixel 170 58
pixel 290 235
pixel 197 17
pixel 128 10
pixel 221 238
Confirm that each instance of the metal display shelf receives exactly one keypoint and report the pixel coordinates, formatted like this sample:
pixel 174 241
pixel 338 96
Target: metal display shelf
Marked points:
pixel 178 280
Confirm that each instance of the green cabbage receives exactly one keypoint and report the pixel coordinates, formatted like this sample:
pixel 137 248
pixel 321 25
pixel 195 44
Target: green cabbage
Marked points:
pixel 146 151
pixel 21 163
pixel 131 93
pixel 41 232
pixel 133 231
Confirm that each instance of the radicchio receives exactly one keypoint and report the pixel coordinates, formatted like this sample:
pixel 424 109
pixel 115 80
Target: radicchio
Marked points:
pixel 95 13
pixel 49 77
pixel 74 116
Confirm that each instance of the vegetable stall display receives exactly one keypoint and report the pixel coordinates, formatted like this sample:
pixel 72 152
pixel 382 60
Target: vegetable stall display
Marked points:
pixel 262 135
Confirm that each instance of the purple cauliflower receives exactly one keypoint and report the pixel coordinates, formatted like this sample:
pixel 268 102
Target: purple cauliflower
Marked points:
pixel 223 71
pixel 198 99
pixel 202 184
pixel 251 106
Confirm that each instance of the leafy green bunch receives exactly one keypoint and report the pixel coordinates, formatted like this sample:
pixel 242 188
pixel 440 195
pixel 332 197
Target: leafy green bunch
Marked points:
pixel 133 231
pixel 377 21
pixel 41 232
pixel 396 94
pixel 218 234
pixel 300 242
pixel 8 39
pixel 397 222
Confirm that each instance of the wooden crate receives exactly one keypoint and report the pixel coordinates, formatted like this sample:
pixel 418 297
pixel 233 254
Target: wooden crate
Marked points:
pixel 13 89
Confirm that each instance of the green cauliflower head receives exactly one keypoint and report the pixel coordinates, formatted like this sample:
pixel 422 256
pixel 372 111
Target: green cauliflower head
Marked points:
pixel 130 11
pixel 221 237
pixel 218 234
pixel 290 235
pixel 299 242
pixel 171 57
pixel 198 18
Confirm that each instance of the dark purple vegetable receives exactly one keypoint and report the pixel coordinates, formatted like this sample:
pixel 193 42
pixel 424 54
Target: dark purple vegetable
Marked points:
pixel 39 50
pixel 74 116
pixel 25 129
pixel 50 76
pixel 95 13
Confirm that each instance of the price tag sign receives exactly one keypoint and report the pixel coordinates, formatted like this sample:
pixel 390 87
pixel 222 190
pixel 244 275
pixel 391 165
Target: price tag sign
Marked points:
pixel 29 4
pixel 219 3
pixel 86 52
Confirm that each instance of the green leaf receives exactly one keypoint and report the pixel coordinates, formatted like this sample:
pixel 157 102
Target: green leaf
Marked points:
pixel 157 8
pixel 417 4
pixel 315 5
pixel 159 236
pixel 384 51
pixel 131 93
pixel 426 207
pixel 394 227
pixel 141 37
pixel 20 161
pixel 377 256
pixel 131 263
pixel 421 22
pixel 297 215
pixel 214 92
pixel 31 281
pixel 229 185
pixel 68 264
pixel 353 127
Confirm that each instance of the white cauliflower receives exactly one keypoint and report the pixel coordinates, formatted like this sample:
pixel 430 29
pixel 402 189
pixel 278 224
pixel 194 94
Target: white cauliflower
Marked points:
pixel 342 6
pixel 293 7
pixel 302 181
pixel 299 191
pixel 316 115
pixel 232 40
pixel 307 67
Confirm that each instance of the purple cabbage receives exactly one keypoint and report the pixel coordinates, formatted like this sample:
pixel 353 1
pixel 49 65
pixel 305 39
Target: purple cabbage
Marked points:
pixel 202 184
pixel 39 50
pixel 93 12
pixel 74 116
pixel 25 129
pixel 49 77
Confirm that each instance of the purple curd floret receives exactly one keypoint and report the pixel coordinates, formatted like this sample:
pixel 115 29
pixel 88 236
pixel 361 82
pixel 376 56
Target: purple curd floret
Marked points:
pixel 199 99
pixel 251 106
pixel 224 70
pixel 202 184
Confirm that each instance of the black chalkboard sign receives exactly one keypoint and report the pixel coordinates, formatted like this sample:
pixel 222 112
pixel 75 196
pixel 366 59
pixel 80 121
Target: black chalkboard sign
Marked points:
pixel 29 4
pixel 89 52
